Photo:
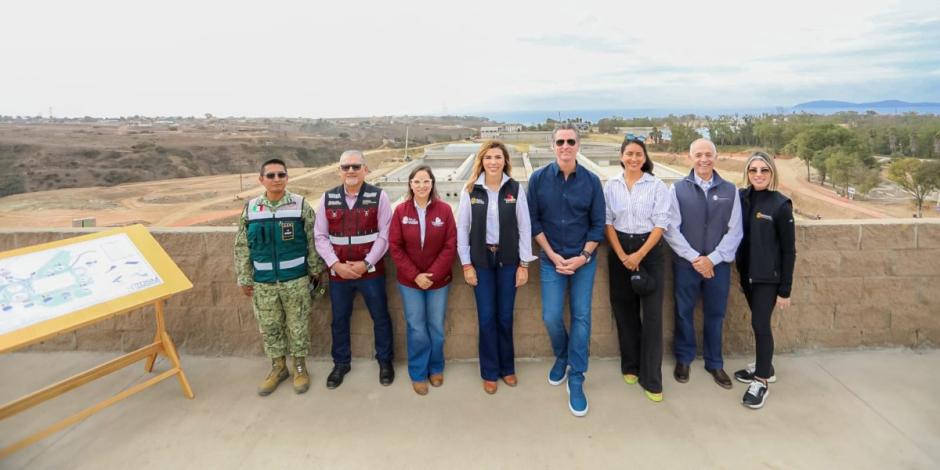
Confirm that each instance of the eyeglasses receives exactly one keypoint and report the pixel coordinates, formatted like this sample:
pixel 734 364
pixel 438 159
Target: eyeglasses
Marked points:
pixel 351 166
pixel 570 142
pixel 280 175
pixel 637 138
pixel 755 171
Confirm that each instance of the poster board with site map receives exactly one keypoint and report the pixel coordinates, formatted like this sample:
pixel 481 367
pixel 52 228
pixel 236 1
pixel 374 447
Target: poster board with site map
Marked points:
pixel 63 285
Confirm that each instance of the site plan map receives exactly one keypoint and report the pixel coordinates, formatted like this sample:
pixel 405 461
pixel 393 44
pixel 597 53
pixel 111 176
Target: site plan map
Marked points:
pixel 38 286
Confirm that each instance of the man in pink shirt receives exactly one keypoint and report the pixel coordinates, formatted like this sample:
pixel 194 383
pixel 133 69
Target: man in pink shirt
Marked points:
pixel 351 235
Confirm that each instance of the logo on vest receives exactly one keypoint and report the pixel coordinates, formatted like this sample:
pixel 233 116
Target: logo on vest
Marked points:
pixel 474 200
pixel 509 199
pixel 369 194
pixel 332 195
pixel 287 231
pixel 409 221
pixel 437 222
pixel 760 215
pixel 334 203
pixel 258 208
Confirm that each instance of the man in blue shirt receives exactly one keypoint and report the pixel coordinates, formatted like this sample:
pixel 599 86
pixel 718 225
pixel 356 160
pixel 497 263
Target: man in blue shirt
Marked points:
pixel 704 233
pixel 566 204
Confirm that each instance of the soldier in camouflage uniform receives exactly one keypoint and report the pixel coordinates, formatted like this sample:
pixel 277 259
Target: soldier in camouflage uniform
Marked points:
pixel 274 260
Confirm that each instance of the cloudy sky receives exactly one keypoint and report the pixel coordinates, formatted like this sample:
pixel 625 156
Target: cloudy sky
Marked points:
pixel 355 58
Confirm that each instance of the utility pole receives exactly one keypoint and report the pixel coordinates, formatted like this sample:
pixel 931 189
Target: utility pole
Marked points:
pixel 406 142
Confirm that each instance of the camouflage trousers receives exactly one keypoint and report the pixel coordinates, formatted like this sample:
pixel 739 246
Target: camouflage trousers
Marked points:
pixel 283 314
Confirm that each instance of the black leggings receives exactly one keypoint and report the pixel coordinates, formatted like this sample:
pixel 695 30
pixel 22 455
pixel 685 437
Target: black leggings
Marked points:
pixel 762 298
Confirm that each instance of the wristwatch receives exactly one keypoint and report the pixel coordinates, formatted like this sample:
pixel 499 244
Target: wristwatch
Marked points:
pixel 523 264
pixel 587 255
pixel 369 266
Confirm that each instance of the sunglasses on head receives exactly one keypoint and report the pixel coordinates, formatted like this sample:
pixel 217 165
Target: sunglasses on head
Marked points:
pixel 755 171
pixel 351 166
pixel 635 138
pixel 280 174
pixel 570 142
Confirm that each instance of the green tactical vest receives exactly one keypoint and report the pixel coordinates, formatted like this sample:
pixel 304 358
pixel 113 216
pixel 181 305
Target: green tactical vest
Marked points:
pixel 277 241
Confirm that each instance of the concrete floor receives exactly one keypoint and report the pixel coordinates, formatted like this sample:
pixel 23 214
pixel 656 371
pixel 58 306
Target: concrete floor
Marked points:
pixel 863 409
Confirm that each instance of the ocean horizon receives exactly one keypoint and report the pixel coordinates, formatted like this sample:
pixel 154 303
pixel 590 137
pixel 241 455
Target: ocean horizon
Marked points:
pixel 594 115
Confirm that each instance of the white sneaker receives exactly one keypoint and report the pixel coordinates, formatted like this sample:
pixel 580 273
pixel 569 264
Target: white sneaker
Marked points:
pixel 756 395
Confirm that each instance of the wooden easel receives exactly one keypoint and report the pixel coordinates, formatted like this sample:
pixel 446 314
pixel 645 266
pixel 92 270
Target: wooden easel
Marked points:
pixel 162 344
pixel 173 281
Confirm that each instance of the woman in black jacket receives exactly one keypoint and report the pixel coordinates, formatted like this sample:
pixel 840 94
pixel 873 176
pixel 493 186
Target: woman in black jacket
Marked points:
pixel 765 260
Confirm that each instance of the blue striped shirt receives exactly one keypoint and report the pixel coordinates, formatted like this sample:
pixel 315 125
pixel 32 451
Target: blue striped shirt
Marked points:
pixel 638 210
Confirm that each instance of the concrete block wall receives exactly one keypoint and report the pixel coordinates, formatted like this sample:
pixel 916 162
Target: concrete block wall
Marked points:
pixel 857 284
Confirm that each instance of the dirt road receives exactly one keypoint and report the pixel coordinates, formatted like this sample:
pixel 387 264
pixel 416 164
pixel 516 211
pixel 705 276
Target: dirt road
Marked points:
pixel 176 202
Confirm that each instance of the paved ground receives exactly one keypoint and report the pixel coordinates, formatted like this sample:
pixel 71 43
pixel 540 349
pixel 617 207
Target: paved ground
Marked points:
pixel 866 409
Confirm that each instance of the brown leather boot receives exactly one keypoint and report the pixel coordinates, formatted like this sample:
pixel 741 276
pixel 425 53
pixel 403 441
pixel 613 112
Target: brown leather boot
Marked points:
pixel 301 377
pixel 277 375
pixel 437 380
pixel 421 388
pixel 489 386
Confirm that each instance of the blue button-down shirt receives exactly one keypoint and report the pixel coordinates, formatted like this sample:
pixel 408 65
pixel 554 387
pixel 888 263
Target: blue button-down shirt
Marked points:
pixel 569 212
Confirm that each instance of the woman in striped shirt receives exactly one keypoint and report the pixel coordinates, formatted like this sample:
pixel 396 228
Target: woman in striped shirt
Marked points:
pixel 637 216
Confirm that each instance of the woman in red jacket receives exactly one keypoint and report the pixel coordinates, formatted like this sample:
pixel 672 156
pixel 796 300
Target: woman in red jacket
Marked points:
pixel 423 242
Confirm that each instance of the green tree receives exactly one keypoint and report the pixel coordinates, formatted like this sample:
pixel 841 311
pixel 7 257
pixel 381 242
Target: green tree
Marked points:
pixel 843 167
pixel 813 139
pixel 682 137
pixel 609 125
pixel 917 178
pixel 656 135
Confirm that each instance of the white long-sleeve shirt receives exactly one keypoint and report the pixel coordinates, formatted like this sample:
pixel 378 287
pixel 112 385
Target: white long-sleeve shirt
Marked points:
pixel 492 222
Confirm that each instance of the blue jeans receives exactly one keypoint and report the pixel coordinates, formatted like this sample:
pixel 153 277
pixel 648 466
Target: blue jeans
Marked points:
pixel 496 298
pixel 424 314
pixel 574 349
pixel 689 286
pixel 373 292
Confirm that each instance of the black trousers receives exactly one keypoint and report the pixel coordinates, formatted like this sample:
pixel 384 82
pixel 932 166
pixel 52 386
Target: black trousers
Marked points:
pixel 762 298
pixel 639 319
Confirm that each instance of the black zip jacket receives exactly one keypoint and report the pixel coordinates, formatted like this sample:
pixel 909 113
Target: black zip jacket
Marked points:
pixel 767 252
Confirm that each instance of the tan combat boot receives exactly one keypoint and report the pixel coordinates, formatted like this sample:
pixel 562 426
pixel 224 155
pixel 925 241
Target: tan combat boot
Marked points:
pixel 301 377
pixel 277 375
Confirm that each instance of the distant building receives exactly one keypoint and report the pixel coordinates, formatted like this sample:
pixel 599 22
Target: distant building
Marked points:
pixel 489 132
pixel 511 128
pixel 645 132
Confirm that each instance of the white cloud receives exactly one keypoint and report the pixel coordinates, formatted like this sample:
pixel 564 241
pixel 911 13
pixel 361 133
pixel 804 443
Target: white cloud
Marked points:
pixel 287 58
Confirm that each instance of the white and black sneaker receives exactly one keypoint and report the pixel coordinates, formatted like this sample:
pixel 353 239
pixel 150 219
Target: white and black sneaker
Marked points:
pixel 746 375
pixel 756 395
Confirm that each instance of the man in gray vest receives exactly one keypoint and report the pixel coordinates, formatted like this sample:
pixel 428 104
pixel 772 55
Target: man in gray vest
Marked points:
pixel 704 233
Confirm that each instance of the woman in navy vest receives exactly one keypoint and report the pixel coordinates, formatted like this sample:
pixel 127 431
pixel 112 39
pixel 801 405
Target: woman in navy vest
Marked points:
pixel 494 241
pixel 765 260
pixel 637 216
pixel 423 243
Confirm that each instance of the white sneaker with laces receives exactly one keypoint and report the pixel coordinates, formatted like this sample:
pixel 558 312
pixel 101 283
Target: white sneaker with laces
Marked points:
pixel 756 395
